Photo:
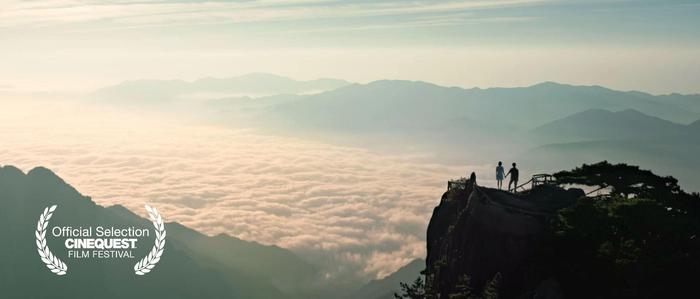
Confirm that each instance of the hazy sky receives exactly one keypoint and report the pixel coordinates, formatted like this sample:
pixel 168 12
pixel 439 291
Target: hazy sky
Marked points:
pixel 82 44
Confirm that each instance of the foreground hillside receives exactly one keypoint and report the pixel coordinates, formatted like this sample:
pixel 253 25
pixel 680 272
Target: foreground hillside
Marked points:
pixel 192 266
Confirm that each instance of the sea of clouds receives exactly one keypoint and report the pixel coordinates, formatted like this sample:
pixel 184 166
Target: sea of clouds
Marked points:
pixel 353 212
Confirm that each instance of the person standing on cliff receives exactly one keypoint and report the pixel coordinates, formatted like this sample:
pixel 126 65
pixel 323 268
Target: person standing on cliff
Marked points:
pixel 513 172
pixel 500 174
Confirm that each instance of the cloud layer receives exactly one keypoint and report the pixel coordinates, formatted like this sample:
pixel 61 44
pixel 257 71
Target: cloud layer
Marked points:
pixel 353 212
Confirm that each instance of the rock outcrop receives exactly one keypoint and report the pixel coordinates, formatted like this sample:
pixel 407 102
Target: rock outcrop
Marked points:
pixel 477 232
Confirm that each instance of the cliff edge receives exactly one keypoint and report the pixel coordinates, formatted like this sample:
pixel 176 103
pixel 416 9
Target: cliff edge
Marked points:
pixel 478 233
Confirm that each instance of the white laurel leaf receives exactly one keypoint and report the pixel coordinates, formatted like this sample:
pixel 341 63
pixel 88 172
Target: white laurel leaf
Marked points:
pixel 52 262
pixel 149 262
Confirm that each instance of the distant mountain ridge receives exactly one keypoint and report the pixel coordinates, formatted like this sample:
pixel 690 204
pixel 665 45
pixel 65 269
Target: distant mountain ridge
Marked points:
pixel 493 124
pixel 156 92
pixel 390 104
pixel 393 103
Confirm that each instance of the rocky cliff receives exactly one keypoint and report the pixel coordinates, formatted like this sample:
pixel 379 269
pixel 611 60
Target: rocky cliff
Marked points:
pixel 477 232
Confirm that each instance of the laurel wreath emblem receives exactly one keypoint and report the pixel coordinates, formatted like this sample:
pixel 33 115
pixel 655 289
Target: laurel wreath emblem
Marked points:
pixel 149 262
pixel 59 267
pixel 52 262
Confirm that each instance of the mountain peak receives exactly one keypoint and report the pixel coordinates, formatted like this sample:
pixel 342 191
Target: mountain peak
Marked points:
pixel 45 174
pixel 10 171
pixel 601 124
pixel 550 84
pixel 400 83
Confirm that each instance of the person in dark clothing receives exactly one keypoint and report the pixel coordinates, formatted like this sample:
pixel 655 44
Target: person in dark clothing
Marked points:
pixel 514 173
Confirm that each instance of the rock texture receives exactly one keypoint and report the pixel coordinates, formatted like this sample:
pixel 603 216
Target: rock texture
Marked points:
pixel 479 232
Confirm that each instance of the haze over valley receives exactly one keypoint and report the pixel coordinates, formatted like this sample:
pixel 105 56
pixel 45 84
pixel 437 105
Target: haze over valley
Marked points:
pixel 344 175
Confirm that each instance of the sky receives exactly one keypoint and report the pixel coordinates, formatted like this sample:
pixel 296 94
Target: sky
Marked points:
pixel 81 45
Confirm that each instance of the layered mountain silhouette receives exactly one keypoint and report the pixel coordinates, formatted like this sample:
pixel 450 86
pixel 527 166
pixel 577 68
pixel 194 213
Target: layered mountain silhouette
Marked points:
pixel 556 125
pixel 599 124
pixel 390 104
pixel 193 265
pixel 549 126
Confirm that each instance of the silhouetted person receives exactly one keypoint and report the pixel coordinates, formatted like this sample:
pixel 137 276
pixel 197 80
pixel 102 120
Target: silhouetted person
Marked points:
pixel 472 178
pixel 500 173
pixel 513 172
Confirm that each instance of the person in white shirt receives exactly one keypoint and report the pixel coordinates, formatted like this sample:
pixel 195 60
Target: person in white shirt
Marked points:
pixel 500 174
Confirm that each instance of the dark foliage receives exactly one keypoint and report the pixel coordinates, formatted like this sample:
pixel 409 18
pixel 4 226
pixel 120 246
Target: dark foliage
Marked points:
pixel 621 247
pixel 625 180
pixel 463 289
pixel 414 291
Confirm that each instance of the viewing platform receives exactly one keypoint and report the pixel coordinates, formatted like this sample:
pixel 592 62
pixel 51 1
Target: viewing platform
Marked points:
pixel 536 180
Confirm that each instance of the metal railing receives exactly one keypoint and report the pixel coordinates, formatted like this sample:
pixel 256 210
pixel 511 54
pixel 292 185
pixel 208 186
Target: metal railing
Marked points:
pixel 460 183
pixel 536 180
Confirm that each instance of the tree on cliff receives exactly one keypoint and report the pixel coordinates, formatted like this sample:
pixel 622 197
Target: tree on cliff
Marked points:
pixel 620 247
pixel 624 180
pixel 414 291
pixel 463 289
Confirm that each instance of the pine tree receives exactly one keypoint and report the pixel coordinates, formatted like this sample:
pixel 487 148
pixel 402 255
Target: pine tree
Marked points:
pixel 414 291
pixel 463 288
pixel 492 288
